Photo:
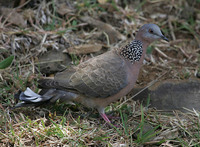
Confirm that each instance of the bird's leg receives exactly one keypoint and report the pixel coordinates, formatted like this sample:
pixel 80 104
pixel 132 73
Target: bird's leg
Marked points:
pixel 104 116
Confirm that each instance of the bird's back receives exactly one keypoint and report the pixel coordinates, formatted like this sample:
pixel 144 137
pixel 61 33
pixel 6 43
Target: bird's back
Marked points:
pixel 99 77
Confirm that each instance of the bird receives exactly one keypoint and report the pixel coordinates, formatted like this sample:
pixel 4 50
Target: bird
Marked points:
pixel 100 80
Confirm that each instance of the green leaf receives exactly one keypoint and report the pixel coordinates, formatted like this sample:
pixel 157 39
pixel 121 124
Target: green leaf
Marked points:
pixel 74 23
pixel 6 62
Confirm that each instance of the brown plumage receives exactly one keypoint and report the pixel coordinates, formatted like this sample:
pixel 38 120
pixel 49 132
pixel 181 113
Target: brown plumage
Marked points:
pixel 100 80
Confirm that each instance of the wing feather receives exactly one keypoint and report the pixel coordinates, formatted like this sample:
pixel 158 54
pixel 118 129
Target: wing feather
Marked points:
pixel 99 77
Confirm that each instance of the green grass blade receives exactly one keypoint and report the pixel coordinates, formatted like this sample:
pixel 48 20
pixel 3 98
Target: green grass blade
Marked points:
pixel 6 62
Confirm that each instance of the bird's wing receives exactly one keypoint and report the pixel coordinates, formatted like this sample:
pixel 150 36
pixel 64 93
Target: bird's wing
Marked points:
pixel 99 77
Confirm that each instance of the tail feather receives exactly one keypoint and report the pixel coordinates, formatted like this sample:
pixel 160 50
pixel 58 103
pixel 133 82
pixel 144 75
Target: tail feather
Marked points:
pixel 30 98
pixel 26 104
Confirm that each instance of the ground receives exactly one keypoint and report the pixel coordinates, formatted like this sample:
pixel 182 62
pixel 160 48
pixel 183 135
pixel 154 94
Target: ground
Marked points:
pixel 35 32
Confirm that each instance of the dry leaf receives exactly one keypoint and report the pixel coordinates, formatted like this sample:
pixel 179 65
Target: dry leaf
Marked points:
pixel 64 9
pixel 13 17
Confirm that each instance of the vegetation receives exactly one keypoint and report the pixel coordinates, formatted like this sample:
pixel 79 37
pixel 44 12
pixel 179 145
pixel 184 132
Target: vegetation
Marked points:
pixel 53 25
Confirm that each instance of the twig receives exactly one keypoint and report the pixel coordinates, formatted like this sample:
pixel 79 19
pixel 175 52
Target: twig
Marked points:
pixel 183 51
pixel 162 53
pixel 22 5
pixel 2 107
pixel 171 28
pixel 107 38
pixel 33 65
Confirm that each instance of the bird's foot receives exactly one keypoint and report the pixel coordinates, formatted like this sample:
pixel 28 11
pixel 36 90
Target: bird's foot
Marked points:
pixel 113 117
pixel 104 116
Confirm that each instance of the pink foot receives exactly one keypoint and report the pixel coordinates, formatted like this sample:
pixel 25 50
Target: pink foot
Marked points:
pixel 104 116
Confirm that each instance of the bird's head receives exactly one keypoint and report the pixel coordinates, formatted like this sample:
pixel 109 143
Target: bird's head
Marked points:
pixel 150 33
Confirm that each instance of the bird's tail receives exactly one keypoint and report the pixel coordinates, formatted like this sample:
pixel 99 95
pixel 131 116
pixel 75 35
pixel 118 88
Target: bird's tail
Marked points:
pixel 30 98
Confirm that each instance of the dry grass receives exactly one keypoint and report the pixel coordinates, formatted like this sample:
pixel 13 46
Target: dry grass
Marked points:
pixel 50 26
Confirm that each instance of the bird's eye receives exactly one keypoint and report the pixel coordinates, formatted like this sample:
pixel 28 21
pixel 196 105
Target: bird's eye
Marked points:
pixel 150 31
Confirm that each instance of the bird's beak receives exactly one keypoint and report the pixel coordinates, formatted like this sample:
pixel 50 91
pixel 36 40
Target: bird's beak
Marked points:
pixel 164 38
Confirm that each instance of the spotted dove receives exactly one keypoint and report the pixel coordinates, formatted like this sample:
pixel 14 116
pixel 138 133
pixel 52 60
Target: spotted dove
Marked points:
pixel 98 81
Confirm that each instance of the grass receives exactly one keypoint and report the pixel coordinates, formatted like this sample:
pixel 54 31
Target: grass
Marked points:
pixel 75 59
pixel 74 125
pixel 70 129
